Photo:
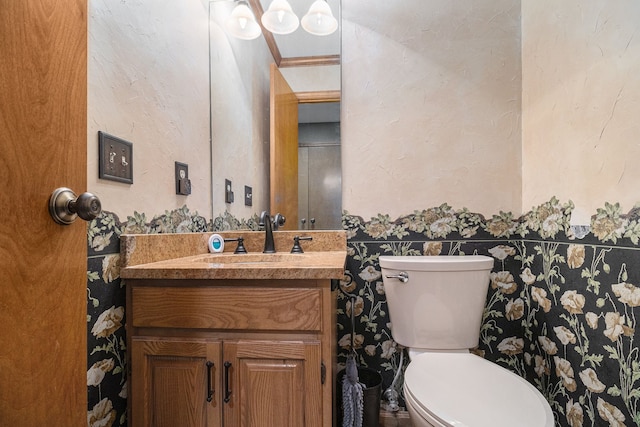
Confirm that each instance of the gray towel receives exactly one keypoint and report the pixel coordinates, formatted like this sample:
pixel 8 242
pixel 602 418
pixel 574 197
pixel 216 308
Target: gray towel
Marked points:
pixel 352 396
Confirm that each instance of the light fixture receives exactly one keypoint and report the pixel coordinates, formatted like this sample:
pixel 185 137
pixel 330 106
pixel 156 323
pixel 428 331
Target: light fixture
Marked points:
pixel 319 20
pixel 242 23
pixel 279 18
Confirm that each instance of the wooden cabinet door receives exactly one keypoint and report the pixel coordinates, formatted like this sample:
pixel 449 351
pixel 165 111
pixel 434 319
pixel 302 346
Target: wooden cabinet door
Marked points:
pixel 174 382
pixel 272 383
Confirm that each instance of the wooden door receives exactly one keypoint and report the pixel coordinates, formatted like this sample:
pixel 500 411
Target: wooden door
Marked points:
pixel 274 383
pixel 283 149
pixel 175 382
pixel 43 266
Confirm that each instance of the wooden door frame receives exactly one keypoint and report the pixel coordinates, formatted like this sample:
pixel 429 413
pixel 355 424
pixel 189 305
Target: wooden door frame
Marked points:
pixel 317 97
pixel 310 97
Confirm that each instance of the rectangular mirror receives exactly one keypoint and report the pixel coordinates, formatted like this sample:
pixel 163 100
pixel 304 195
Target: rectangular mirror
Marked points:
pixel 242 124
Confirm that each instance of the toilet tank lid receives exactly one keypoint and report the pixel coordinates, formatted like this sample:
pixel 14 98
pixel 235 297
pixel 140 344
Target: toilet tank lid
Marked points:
pixel 467 390
pixel 437 263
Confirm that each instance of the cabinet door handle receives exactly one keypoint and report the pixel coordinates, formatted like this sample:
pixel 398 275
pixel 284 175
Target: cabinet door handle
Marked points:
pixel 227 392
pixel 210 389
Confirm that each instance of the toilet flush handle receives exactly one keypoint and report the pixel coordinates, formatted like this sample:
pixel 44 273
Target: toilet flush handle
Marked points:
pixel 402 276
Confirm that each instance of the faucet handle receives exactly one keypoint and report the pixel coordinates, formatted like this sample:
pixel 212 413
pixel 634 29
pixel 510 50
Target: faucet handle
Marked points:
pixel 297 249
pixel 264 218
pixel 278 220
pixel 240 249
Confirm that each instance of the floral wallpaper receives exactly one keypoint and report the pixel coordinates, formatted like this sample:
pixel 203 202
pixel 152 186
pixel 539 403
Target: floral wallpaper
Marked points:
pixel 561 308
pixel 107 371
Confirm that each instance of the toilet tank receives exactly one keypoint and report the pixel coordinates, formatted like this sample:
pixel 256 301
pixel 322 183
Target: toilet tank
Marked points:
pixel 441 304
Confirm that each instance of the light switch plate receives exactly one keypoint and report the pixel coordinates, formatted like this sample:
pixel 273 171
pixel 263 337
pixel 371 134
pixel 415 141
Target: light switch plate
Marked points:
pixel 115 158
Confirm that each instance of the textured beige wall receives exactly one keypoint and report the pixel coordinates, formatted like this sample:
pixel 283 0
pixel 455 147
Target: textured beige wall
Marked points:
pixel 149 84
pixel 581 103
pixel 431 105
pixel 431 108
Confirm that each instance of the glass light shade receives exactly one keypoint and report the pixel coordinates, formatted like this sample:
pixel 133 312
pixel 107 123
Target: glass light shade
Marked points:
pixel 319 21
pixel 279 18
pixel 242 24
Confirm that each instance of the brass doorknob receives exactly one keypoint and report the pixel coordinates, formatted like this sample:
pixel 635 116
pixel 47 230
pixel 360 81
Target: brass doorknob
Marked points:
pixel 65 206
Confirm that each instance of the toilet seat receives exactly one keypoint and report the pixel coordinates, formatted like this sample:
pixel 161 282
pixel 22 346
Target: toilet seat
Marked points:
pixel 465 390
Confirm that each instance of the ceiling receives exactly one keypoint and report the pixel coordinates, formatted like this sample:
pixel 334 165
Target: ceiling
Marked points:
pixel 301 48
pixel 294 48
pixel 298 44
pixel 301 44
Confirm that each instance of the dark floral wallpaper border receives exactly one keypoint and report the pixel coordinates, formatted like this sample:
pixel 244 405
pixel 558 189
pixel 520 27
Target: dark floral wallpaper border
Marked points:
pixel 561 308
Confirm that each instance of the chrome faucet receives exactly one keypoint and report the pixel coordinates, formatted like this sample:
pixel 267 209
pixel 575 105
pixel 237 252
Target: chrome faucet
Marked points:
pixel 270 225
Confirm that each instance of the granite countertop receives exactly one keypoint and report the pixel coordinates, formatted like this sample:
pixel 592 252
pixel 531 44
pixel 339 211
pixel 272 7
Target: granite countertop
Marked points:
pixel 144 258
pixel 309 265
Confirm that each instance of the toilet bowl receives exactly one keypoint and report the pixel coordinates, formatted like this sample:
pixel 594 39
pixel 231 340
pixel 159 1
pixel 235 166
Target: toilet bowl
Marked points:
pixel 435 306
pixel 465 390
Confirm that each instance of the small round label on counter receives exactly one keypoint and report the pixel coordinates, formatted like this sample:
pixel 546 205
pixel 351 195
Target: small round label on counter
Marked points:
pixel 216 243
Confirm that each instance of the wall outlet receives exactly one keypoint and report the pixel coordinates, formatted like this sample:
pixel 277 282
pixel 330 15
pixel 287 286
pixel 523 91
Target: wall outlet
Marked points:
pixel 228 194
pixel 248 196
pixel 183 184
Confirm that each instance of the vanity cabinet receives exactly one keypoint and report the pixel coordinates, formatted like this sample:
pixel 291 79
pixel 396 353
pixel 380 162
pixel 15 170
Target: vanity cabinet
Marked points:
pixel 171 382
pixel 232 353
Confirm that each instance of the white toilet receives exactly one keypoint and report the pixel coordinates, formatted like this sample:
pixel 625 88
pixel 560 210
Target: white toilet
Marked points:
pixel 435 306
